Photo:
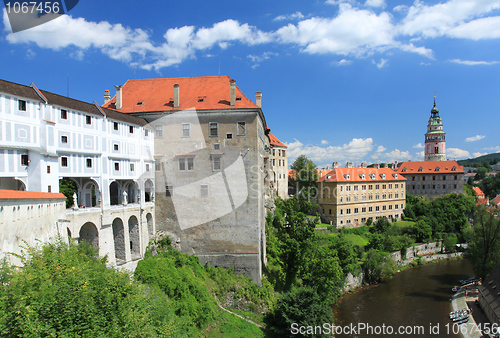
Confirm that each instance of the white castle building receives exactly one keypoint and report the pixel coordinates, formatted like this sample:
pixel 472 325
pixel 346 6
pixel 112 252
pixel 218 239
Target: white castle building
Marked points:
pixel 45 137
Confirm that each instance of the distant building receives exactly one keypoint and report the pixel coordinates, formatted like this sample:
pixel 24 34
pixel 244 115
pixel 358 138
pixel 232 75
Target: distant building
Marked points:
pixel 435 143
pixel 212 157
pixel 481 198
pixel 279 166
pixel 431 179
pixel 348 197
pixel 496 167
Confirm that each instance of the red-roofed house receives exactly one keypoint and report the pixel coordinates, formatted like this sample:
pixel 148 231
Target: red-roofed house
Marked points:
pixel 479 192
pixel 212 157
pixel 279 166
pixel 349 197
pixel 496 201
pixel 431 179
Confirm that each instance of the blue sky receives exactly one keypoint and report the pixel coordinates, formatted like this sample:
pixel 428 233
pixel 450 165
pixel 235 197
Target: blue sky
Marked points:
pixel 342 80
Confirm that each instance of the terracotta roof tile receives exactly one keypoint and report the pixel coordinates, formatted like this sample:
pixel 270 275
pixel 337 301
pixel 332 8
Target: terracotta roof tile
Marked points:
pixel 496 200
pixel 478 191
pixel 16 89
pixel 445 167
pixel 361 175
pixel 275 142
pixel 201 93
pixel 31 195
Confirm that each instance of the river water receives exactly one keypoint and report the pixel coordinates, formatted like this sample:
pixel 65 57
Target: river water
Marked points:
pixel 416 301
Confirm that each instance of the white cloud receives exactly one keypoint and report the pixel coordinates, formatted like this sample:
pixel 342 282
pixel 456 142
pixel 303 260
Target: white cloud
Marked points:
pixel 324 142
pixel 294 16
pixel 495 149
pixel 352 151
pixel 381 149
pixel 454 18
pixel 420 155
pixel 455 153
pixel 342 62
pixel 375 3
pixel 474 138
pixel 479 154
pixel 352 32
pixel 257 59
pixel 380 64
pixel 428 53
pixel 418 146
pixel 474 63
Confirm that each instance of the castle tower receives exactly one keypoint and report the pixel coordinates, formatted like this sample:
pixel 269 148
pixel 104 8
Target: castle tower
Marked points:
pixel 435 144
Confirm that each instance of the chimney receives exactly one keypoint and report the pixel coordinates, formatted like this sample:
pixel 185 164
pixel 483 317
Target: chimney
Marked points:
pixel 258 99
pixel 119 102
pixel 107 96
pixel 232 90
pixel 176 96
pixel 335 165
pixel 348 165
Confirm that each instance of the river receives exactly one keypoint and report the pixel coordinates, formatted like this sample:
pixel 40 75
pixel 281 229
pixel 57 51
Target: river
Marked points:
pixel 415 301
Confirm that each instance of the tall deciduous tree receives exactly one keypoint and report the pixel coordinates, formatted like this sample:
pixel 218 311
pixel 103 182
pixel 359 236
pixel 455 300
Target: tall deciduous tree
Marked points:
pixel 305 176
pixel 485 246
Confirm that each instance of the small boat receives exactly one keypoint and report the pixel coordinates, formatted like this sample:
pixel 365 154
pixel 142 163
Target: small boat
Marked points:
pixel 458 313
pixel 455 289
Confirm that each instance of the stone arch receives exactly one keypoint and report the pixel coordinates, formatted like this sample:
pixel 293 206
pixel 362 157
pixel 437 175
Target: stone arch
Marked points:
pixel 114 193
pixel 90 194
pixel 132 190
pixel 119 239
pixel 89 233
pixel 149 220
pixel 134 238
pixel 148 191
pixel 12 183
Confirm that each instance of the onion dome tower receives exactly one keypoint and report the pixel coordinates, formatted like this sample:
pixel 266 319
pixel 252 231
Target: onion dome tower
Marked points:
pixel 435 143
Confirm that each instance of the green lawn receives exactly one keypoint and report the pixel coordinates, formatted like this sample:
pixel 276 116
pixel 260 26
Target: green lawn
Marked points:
pixel 404 224
pixel 356 240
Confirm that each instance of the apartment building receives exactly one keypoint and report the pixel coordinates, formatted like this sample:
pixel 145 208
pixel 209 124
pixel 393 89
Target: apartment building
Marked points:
pixel 350 196
pixel 279 166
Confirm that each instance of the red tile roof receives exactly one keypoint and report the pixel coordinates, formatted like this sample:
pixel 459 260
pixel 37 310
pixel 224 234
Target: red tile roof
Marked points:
pixel 496 200
pixel 478 191
pixel 275 142
pixel 29 195
pixel 445 167
pixel 356 175
pixel 201 93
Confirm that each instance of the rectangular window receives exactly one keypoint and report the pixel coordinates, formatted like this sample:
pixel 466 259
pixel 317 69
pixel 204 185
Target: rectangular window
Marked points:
pixel 384 208
pixel 384 197
pixel 64 162
pixel 384 186
pixel 396 206
pixel 283 152
pixel 22 105
pixel 131 129
pixel 157 165
pixel 355 198
pixel 370 187
pixel 216 163
pixel 377 197
pixel 88 119
pixel 186 130
pixel 182 164
pixel 370 197
pixel 64 114
pixel 147 167
pixel 377 208
pixel 370 209
pixel 204 190
pixel 396 195
pixel 117 166
pixel 146 132
pixel 190 162
pixel 217 146
pixel 356 210
pixel 348 211
pixel 132 166
pixel 363 209
pixel 390 196
pixel 115 147
pixel 229 136
pixel 363 198
pixel 377 186
pixel 355 188
pixel 89 163
pixel 49 188
pixel 396 185
pixel 64 139
pixel 390 207
pixel 390 186
pixel 186 164
pixel 363 187
pixel 24 160
pixel 213 129
pixel 242 129
pixel 159 131
pixel 169 190
pixel 341 211
pixel 48 169
pixel 115 125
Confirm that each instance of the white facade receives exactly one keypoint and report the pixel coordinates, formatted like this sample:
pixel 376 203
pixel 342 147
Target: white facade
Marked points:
pixel 45 137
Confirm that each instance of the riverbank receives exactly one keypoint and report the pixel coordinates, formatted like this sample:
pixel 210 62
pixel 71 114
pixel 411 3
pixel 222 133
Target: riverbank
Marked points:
pixel 459 301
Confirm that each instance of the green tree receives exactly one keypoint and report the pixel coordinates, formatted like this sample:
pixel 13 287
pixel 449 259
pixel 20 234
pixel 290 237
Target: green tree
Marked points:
pixel 68 187
pixel 421 231
pixel 294 237
pixel 480 173
pixel 450 243
pixel 305 176
pixel 484 249
pixel 301 306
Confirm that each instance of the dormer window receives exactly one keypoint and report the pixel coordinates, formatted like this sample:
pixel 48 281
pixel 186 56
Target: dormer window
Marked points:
pixel 201 98
pixel 139 103
pixel 454 169
pixel 238 99
pixel 382 176
pixel 362 176
pixel 395 176
pixel 437 169
pixel 347 176
pixel 372 176
pixel 420 169
pixel 404 169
